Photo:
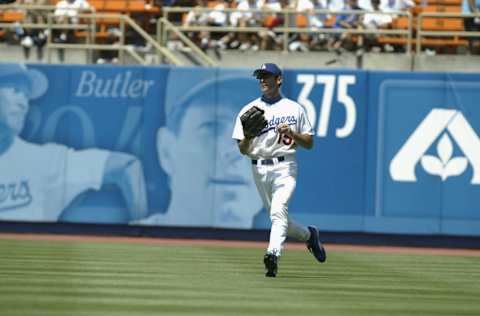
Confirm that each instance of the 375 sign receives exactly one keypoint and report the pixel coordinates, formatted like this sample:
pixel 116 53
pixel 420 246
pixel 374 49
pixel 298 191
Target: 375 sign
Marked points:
pixel 330 84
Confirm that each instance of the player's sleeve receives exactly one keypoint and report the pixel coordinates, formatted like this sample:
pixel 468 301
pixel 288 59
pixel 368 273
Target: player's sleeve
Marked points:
pixel 304 125
pixel 72 172
pixel 238 129
pixel 85 169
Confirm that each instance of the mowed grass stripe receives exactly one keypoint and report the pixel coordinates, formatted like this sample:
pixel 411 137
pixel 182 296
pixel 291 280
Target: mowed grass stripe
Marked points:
pixel 171 293
pixel 75 278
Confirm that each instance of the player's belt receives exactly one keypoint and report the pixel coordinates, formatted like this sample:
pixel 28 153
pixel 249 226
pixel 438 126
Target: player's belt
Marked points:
pixel 268 161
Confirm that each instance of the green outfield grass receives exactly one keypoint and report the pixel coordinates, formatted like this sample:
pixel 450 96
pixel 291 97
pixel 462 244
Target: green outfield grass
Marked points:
pixel 80 278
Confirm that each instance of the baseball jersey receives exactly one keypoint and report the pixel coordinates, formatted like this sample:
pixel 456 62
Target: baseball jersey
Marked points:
pixel 38 181
pixel 269 144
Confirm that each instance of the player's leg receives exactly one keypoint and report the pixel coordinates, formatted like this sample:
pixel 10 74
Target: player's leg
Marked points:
pixel 284 184
pixel 264 189
pixel 315 246
pixel 297 231
pixel 281 193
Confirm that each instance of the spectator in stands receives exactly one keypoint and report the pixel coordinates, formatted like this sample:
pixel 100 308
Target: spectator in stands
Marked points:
pixel 23 37
pixel 349 21
pixel 365 5
pixel 374 20
pixel 307 17
pixel 33 37
pixel 216 17
pixel 36 16
pixel 110 56
pixel 273 18
pixel 39 40
pixel 198 16
pixel 314 19
pixel 29 38
pixel 472 24
pixel 245 18
pixel 66 12
pixel 396 5
pixel 392 6
pixel 178 17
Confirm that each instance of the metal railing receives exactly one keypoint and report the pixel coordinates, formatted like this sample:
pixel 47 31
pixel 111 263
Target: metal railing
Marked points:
pixel 442 33
pixel 88 23
pixel 287 29
pixel 124 22
pixel 164 26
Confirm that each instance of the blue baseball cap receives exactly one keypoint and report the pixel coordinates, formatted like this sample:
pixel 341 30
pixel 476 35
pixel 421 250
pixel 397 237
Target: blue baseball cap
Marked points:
pixel 268 68
pixel 31 81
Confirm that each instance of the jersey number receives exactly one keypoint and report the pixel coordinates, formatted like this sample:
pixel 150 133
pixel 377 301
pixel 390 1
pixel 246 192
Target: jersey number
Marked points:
pixel 285 139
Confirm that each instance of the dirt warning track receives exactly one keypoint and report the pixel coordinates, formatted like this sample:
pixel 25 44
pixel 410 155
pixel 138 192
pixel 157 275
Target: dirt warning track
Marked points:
pixel 240 244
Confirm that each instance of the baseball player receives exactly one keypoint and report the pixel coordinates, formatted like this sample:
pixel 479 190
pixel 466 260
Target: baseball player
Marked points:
pixel 38 181
pixel 268 131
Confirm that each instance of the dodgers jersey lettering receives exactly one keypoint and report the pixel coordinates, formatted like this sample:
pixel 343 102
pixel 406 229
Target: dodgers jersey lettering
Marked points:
pixel 269 143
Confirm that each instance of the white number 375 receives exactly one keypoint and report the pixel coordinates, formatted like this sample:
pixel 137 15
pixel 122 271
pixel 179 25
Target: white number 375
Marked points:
pixel 328 81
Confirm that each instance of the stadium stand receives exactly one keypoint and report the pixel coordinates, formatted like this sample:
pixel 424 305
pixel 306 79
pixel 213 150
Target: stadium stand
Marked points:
pixel 420 28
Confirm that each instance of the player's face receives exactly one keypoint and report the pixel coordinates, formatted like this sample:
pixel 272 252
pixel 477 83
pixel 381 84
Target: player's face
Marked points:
pixel 269 84
pixel 210 177
pixel 13 108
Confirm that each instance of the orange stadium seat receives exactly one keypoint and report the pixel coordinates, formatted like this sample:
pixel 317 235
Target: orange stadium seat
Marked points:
pixel 442 24
pixel 330 21
pixel 115 6
pixel 301 20
pixel 97 4
pixel 439 2
pixel 212 3
pixel 400 23
pixel 136 6
pixel 12 16
pixel 438 8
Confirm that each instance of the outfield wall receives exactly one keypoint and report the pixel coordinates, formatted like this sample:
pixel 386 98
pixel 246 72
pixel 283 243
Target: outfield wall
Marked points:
pixel 395 152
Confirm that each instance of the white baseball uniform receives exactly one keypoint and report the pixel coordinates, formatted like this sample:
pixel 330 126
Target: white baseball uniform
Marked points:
pixel 38 181
pixel 274 166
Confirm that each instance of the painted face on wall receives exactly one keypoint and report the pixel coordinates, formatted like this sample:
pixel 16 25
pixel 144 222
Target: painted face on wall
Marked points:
pixel 211 182
pixel 14 107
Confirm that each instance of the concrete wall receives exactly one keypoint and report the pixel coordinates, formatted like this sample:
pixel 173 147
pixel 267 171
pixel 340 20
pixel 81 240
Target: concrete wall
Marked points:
pixel 385 61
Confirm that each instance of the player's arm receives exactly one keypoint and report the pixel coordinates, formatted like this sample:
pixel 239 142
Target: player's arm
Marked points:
pixel 243 141
pixel 125 171
pixel 304 140
pixel 244 145
pixel 250 124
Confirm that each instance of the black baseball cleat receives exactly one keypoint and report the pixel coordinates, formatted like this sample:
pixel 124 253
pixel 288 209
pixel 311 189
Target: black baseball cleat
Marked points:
pixel 271 265
pixel 315 246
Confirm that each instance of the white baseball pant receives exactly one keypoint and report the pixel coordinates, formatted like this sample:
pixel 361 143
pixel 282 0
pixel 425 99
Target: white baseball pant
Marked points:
pixel 276 183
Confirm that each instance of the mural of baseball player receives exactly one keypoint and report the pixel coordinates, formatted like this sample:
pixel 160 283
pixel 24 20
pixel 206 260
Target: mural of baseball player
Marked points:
pixel 208 178
pixel 273 161
pixel 38 181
